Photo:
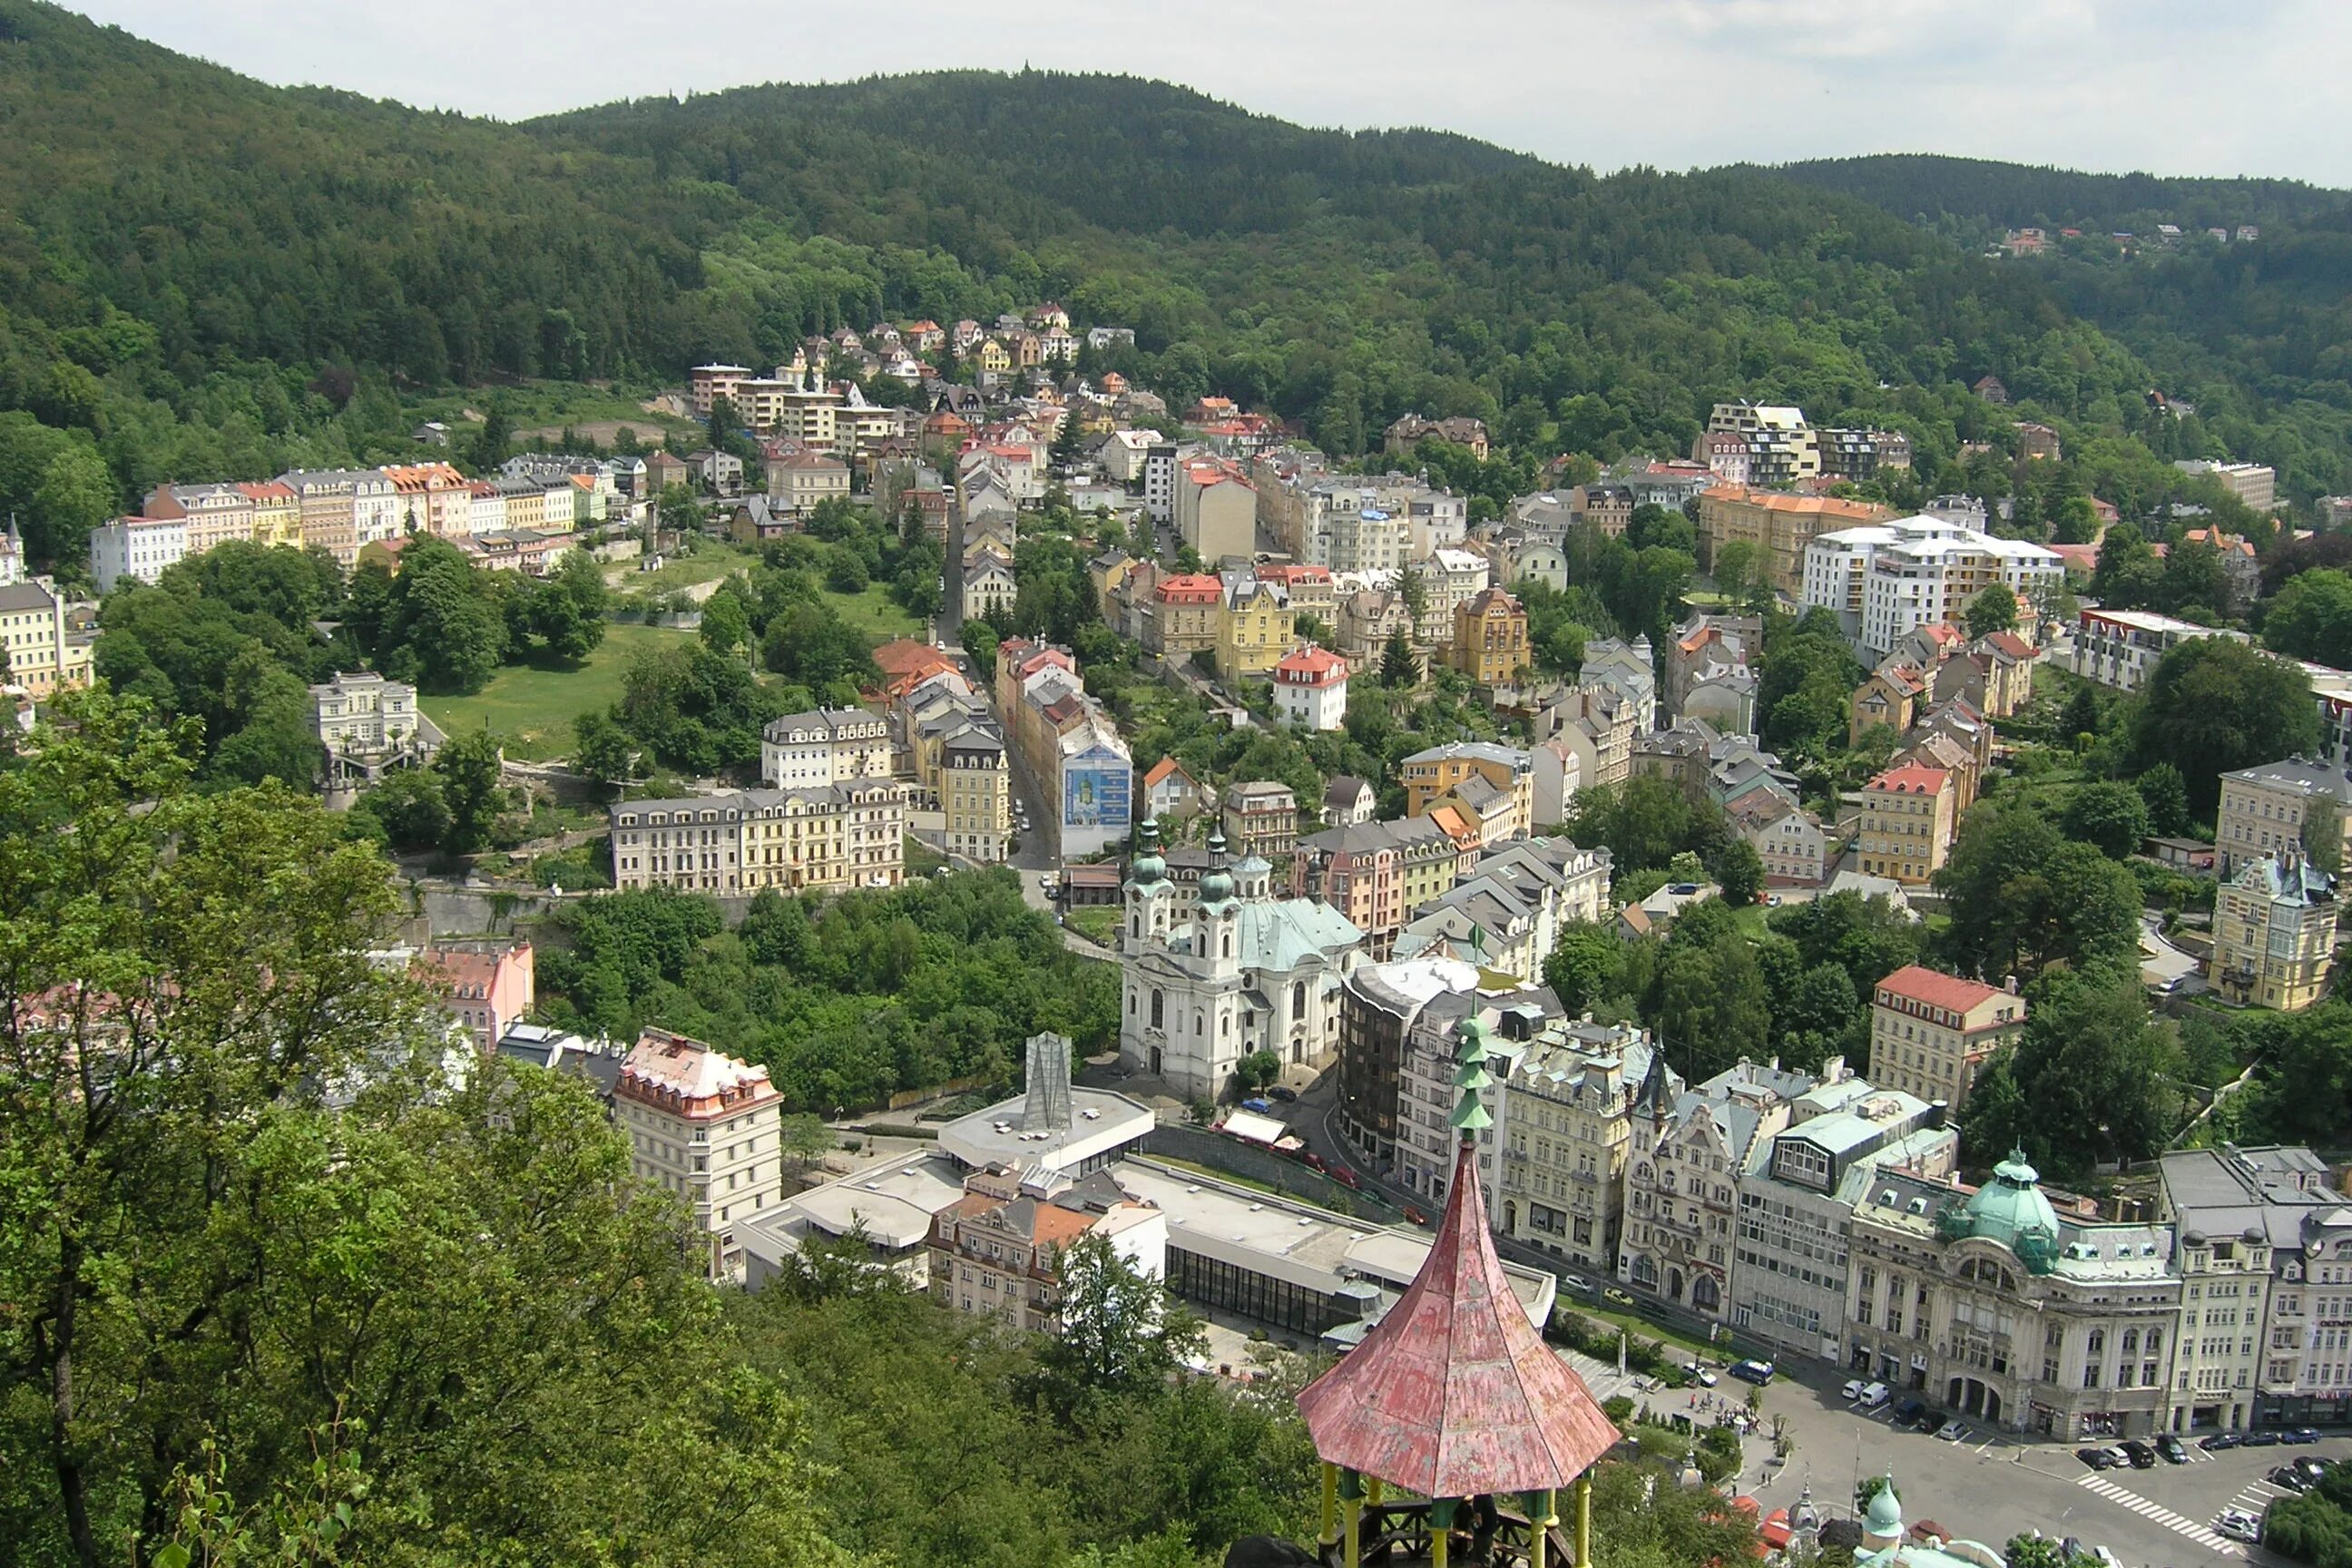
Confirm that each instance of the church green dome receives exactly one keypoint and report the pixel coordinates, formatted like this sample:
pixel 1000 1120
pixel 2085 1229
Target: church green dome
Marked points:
pixel 1884 1516
pixel 1216 882
pixel 1147 867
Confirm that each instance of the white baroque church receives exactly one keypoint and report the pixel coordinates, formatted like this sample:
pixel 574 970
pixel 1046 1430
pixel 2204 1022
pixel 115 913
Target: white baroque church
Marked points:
pixel 1212 976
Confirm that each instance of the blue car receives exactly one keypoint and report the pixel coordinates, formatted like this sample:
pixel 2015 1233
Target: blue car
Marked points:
pixel 2301 1435
pixel 1258 1105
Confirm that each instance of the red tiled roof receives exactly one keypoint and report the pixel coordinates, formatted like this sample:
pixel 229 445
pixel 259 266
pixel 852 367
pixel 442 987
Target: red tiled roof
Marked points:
pixel 1910 780
pixel 1934 988
pixel 1190 588
pixel 2012 644
pixel 1311 665
pixel 1454 1394
pixel 1161 769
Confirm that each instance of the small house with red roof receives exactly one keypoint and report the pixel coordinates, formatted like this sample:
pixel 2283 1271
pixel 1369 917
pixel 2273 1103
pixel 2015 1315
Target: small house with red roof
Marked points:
pixel 1310 689
pixel 1170 792
pixel 1908 813
pixel 1930 1032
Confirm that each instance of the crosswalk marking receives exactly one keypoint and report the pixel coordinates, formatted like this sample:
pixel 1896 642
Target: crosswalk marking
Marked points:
pixel 2157 1513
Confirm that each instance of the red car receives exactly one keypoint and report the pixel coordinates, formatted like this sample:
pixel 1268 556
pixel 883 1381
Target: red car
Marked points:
pixel 1313 1161
pixel 1414 1215
pixel 1345 1177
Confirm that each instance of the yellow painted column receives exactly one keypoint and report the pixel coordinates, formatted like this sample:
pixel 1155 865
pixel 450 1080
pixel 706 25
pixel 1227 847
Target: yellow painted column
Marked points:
pixel 1352 1499
pixel 1540 1519
pixel 1372 1491
pixel 1441 1530
pixel 1584 1521
pixel 1327 1531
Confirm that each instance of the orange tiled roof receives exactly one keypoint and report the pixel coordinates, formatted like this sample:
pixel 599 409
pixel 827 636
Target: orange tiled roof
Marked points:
pixel 1934 988
pixel 1912 779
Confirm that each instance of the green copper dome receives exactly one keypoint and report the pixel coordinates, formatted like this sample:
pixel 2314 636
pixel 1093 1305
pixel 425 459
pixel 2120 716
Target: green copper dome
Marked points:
pixel 1884 1516
pixel 1147 867
pixel 1216 882
pixel 2011 1209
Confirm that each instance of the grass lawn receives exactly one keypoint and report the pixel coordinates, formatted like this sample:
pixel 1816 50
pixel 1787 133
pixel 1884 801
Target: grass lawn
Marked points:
pixel 874 612
pixel 1098 925
pixel 531 707
pixel 712 560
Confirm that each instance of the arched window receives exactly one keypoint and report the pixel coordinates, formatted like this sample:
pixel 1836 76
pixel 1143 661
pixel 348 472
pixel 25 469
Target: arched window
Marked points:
pixel 1156 1001
pixel 1645 1273
pixel 1134 924
pixel 1229 943
pixel 1298 998
pixel 1705 1295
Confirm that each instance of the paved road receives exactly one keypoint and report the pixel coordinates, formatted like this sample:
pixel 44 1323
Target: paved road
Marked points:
pixel 1990 1487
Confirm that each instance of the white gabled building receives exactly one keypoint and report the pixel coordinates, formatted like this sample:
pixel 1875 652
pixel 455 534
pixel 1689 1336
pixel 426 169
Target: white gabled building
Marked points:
pixel 825 746
pixel 1212 974
pixel 1310 689
pixel 707 1128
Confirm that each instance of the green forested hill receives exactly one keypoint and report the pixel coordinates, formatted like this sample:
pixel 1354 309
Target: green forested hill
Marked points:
pixel 201 275
pixel 1928 187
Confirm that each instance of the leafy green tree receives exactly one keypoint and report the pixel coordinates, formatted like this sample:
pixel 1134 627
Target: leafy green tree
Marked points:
pixel 567 610
pixel 1582 968
pixel 1400 666
pixel 2020 896
pixel 2303 1082
pixel 1739 871
pixel 2214 705
pixel 1713 1007
pixel 1259 1069
pixel 1993 610
pixel 445 634
pixel 2165 794
pixel 2311 618
pixel 408 808
pixel 2033 1551
pixel 469 767
pixel 1121 1328
pixel 2194 582
pixel 2112 817
pixel 602 748
pixel 2082 714
pixel 2092 1079
pixel 77 493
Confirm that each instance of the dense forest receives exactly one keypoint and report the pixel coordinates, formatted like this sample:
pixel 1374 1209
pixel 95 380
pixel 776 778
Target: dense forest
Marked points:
pixel 209 277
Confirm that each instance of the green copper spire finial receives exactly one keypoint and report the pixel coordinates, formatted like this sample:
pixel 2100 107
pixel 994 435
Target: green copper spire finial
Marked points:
pixel 1470 1076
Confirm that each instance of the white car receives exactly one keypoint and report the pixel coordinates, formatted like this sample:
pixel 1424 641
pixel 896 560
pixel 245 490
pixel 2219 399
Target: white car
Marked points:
pixel 1952 1432
pixel 1853 1389
pixel 2239 1525
pixel 1874 1395
pixel 1702 1375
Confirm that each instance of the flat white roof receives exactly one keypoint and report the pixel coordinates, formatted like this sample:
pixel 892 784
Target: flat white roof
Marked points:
pixel 1100 1123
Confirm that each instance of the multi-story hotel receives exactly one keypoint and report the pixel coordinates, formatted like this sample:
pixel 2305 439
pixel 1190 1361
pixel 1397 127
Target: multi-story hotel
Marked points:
pixel 707 1128
pixel 1888 579
pixel 830 838
pixel 1930 1032
pixel 2274 933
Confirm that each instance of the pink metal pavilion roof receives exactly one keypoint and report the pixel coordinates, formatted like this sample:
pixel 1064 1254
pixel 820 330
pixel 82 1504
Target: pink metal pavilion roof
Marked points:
pixel 1455 1394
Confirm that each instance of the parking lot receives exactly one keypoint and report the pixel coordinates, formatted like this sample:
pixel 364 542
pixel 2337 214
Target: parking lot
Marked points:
pixel 1989 1487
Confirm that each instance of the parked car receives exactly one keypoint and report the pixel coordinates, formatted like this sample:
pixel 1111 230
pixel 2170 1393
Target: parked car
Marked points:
pixel 1909 1411
pixel 2237 1525
pixel 1853 1389
pixel 1576 1282
pixel 1284 1092
pixel 2098 1459
pixel 2174 1450
pixel 2216 1442
pixel 2300 1434
pixel 1877 1395
pixel 1930 1420
pixel 1263 1107
pixel 1702 1375
pixel 2290 1478
pixel 2141 1455
pixel 1759 1373
pixel 2314 1468
pixel 2264 1438
pixel 1951 1432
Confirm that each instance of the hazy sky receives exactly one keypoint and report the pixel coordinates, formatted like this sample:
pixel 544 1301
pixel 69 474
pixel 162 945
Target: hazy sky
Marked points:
pixel 2190 86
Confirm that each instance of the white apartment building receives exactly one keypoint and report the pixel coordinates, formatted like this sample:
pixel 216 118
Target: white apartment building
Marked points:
pixel 1563 1123
pixel 2122 648
pixel 825 746
pixel 140 548
pixel 1160 483
pixel 1884 581
pixel 707 1128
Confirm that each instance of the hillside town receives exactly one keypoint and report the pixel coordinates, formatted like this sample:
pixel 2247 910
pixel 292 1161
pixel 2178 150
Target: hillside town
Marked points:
pixel 1272 1126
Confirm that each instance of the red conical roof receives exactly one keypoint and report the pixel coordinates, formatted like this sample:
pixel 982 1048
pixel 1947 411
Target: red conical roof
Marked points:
pixel 1454 1393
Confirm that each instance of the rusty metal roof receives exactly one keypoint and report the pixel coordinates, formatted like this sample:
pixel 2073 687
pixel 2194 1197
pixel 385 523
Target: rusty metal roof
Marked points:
pixel 1454 1393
